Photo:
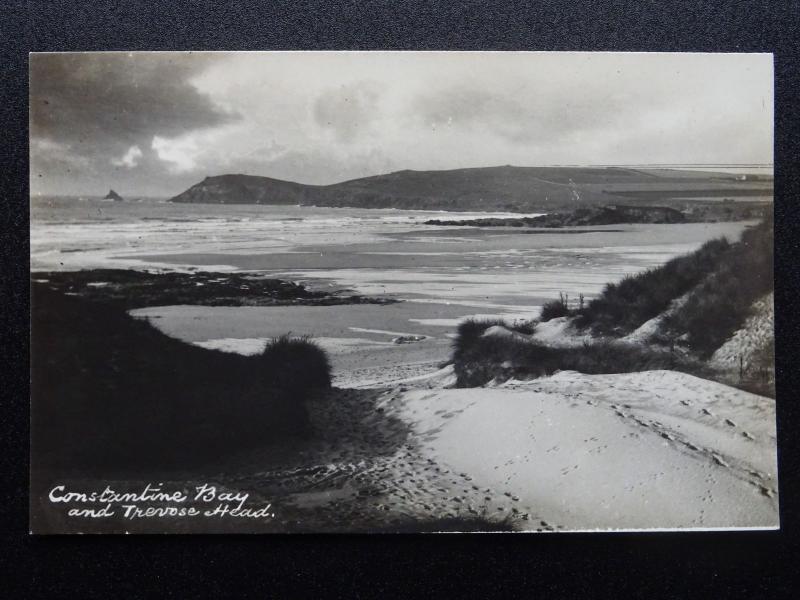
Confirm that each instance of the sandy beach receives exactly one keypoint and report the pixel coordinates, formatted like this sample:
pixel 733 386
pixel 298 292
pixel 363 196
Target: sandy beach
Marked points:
pixel 562 453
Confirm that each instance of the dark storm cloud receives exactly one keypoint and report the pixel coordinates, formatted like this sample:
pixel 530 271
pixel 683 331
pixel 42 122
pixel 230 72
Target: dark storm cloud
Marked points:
pixel 98 104
pixel 348 111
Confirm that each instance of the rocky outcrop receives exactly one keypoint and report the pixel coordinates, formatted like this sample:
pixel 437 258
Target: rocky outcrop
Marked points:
pixel 112 195
pixel 598 215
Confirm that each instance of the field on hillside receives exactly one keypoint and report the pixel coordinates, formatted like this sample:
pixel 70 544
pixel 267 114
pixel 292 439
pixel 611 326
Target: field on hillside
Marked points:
pixel 516 189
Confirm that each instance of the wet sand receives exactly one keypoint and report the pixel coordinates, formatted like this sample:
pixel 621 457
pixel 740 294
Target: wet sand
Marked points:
pixel 358 338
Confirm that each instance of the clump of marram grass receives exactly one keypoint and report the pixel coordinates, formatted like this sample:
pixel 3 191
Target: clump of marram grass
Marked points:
pixel 470 330
pixel 560 308
pixel 493 358
pixel 295 362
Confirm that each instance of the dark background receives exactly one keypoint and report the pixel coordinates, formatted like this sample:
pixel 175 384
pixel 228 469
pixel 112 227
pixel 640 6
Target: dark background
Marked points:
pixel 711 565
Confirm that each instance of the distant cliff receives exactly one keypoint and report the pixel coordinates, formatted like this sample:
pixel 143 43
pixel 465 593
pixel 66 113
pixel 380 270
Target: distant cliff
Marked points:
pixel 513 189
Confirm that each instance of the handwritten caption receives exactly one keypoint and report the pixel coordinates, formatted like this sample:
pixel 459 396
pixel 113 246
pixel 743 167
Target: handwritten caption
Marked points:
pixel 153 501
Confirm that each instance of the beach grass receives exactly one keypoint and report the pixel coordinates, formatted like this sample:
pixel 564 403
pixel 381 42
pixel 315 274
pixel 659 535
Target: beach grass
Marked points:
pixel 110 391
pixel 501 358
pixel 719 283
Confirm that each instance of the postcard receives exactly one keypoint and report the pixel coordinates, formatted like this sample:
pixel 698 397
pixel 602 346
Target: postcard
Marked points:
pixel 347 292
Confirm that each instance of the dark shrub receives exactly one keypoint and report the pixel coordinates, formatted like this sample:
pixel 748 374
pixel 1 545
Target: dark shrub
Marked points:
pixel 553 310
pixel 295 363
pixel 470 330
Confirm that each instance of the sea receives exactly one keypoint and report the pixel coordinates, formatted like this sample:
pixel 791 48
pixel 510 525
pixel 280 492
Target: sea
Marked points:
pixel 370 251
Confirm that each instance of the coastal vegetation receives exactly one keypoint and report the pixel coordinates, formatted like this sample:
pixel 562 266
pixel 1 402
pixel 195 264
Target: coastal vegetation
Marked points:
pixel 687 307
pixel 111 390
pixel 491 357
pixel 624 306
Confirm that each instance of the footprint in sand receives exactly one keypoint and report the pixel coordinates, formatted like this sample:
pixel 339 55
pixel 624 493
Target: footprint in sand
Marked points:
pixel 730 423
pixel 768 492
pixel 748 435
pixel 718 459
pixel 705 411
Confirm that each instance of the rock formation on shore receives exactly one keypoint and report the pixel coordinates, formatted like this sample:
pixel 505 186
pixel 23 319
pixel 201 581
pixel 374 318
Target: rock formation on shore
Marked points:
pixel 112 195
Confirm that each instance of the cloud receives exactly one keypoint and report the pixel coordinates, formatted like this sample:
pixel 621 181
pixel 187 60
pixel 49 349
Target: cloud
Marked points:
pixel 118 96
pixel 101 105
pixel 320 117
pixel 52 158
pixel 179 153
pixel 526 113
pixel 130 159
pixel 347 112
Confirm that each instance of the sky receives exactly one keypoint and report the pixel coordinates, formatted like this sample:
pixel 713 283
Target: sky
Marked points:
pixel 153 124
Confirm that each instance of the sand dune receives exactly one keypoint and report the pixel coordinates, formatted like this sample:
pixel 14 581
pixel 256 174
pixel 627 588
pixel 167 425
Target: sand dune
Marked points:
pixel 657 449
pixel 650 450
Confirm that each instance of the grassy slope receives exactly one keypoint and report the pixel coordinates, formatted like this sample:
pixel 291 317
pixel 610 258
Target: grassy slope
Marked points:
pixel 720 281
pixel 111 391
pixel 521 189
pixel 486 358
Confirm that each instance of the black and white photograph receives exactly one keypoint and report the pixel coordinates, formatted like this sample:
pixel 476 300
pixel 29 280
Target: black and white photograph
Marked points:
pixel 401 292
